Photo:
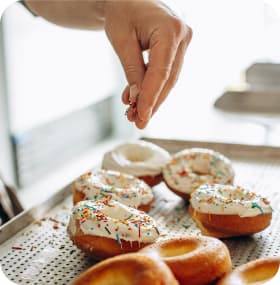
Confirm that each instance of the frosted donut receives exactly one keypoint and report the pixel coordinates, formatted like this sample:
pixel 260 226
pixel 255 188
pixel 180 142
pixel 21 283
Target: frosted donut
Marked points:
pixel 142 159
pixel 227 211
pixel 100 184
pixel 127 269
pixel 193 260
pixel 255 272
pixel 190 168
pixel 106 228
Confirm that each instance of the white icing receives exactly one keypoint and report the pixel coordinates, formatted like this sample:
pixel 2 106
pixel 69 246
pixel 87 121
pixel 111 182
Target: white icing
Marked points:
pixel 112 219
pixel 190 168
pixel 228 200
pixel 138 158
pixel 121 187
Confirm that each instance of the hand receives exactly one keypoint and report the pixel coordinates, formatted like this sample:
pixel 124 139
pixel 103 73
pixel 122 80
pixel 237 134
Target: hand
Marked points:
pixel 133 27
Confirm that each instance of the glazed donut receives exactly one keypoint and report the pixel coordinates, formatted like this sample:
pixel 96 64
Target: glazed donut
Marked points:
pixel 106 228
pixel 193 260
pixel 101 184
pixel 255 272
pixel 142 159
pixel 128 269
pixel 227 211
pixel 190 168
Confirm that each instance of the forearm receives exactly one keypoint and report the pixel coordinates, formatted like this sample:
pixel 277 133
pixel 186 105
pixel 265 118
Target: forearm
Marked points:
pixel 83 14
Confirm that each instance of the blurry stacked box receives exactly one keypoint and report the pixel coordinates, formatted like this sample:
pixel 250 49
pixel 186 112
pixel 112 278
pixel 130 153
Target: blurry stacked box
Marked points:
pixel 260 94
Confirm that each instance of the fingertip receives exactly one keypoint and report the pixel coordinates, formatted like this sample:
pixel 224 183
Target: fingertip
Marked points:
pixel 133 94
pixel 141 124
pixel 131 114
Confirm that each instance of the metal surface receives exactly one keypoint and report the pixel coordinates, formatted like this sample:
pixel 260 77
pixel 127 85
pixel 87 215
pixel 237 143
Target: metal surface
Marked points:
pixel 41 252
pixel 264 76
pixel 250 101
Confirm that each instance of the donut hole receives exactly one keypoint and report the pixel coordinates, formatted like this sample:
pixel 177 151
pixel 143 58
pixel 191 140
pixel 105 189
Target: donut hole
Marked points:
pixel 141 155
pixel 171 250
pixel 201 166
pixel 260 273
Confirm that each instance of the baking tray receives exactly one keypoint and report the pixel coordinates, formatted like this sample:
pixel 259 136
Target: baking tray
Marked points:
pixel 35 248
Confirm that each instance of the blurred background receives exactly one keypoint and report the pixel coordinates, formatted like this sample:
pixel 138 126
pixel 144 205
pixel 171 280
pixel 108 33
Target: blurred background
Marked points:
pixel 60 90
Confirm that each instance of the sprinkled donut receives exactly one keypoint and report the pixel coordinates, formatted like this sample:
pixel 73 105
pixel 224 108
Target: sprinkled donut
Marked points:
pixel 106 228
pixel 226 211
pixel 190 168
pixel 142 159
pixel 101 184
pixel 193 260
pixel 129 269
pixel 257 272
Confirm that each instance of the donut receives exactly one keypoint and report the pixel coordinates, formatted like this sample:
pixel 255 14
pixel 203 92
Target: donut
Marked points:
pixel 256 272
pixel 226 211
pixel 128 269
pixel 101 184
pixel 105 228
pixel 190 168
pixel 193 260
pixel 142 159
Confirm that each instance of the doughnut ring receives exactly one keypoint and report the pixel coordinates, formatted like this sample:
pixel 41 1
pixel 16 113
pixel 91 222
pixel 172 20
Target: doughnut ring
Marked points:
pixel 105 228
pixel 226 211
pixel 125 188
pixel 256 272
pixel 128 269
pixel 190 168
pixel 142 159
pixel 193 260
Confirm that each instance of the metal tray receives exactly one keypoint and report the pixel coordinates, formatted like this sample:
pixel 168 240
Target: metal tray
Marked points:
pixel 35 248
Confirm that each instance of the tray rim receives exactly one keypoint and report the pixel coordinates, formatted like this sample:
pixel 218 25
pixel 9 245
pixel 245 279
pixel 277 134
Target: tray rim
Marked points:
pixel 28 216
pixel 247 150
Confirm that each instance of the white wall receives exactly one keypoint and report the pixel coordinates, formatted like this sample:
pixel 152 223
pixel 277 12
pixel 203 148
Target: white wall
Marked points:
pixel 228 36
pixel 52 70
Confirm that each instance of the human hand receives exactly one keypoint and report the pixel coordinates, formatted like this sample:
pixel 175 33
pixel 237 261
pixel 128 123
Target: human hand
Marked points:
pixel 134 26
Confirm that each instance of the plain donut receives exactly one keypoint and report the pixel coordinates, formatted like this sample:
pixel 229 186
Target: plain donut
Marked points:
pixel 255 272
pixel 193 260
pixel 128 269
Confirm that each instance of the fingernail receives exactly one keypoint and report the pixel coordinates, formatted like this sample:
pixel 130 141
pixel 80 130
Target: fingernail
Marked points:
pixel 133 93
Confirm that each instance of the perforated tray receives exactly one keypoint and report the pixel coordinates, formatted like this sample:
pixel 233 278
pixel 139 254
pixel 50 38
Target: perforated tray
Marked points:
pixel 36 251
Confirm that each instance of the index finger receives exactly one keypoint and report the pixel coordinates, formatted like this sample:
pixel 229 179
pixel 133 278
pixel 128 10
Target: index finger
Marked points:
pixel 162 55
